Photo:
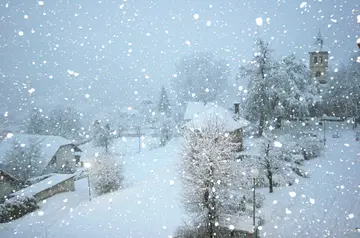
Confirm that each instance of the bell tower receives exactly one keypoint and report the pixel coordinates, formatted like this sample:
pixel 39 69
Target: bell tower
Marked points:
pixel 319 57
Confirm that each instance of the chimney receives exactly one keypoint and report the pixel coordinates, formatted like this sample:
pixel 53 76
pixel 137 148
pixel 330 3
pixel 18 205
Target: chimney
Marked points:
pixel 237 106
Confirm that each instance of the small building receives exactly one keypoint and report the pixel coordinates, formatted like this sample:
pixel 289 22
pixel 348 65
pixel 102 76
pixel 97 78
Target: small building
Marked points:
pixel 8 184
pixel 319 57
pixel 58 155
pixel 56 183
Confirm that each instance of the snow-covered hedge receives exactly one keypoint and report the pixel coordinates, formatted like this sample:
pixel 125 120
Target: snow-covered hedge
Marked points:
pixel 16 207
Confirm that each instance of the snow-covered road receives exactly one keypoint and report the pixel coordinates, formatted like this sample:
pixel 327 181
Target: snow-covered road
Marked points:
pixel 325 205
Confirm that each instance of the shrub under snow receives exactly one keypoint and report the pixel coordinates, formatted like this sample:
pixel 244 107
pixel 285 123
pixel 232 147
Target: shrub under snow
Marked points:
pixel 311 147
pixel 106 174
pixel 16 207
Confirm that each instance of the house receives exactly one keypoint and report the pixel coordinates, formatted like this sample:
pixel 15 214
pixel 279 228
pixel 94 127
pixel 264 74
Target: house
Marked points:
pixel 56 183
pixel 58 155
pixel 218 113
pixel 8 183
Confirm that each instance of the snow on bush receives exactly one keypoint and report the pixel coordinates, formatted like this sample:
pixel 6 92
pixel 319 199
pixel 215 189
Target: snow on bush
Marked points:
pixel 106 174
pixel 311 147
pixel 16 207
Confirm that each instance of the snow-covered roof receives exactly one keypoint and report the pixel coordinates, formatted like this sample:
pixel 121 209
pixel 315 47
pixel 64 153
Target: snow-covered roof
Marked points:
pixel 4 171
pixel 43 185
pixel 49 145
pixel 194 109
pixel 236 223
pixel 218 113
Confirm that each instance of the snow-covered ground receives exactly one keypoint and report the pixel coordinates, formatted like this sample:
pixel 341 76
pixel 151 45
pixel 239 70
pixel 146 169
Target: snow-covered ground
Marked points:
pixel 148 207
pixel 325 205
pixel 54 209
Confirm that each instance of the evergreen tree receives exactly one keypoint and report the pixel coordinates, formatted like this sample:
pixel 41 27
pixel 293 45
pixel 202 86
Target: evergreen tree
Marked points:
pixel 164 106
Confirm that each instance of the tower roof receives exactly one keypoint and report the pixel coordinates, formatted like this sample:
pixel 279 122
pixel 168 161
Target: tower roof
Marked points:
pixel 318 45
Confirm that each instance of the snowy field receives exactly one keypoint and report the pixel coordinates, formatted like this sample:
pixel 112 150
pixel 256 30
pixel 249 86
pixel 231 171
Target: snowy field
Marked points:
pixel 324 205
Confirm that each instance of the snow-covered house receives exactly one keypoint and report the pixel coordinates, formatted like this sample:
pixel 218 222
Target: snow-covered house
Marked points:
pixel 219 113
pixel 56 183
pixel 57 154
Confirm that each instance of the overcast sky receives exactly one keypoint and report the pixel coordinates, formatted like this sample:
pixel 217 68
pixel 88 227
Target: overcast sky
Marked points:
pixel 127 49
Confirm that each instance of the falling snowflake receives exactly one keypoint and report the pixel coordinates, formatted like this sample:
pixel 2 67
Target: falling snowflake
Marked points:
pixel 292 194
pixel 21 33
pixel 277 144
pixel 303 4
pixel 259 21
pixel 196 16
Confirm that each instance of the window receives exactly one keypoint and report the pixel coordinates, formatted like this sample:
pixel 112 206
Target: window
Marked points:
pixel 315 60
pixel 77 159
pixel 318 74
pixel 320 59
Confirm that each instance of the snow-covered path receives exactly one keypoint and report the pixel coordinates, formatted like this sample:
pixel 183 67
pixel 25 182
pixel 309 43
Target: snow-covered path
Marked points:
pixel 327 204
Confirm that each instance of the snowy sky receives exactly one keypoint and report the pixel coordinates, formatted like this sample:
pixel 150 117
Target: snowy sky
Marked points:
pixel 127 49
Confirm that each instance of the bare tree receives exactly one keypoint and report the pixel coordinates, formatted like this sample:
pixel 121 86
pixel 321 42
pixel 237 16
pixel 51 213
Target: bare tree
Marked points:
pixel 259 73
pixel 200 77
pixel 24 159
pixel 64 121
pixel 208 177
pixel 36 123
pixel 270 163
pixel 102 135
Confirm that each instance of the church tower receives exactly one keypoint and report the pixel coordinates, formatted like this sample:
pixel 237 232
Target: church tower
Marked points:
pixel 319 60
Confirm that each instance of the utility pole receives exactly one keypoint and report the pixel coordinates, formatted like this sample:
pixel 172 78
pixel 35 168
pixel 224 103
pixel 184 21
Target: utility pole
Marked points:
pixel 324 133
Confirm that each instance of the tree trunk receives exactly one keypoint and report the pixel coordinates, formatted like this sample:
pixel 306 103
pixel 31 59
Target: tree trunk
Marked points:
pixel 211 217
pixel 261 124
pixel 278 122
pixel 270 182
